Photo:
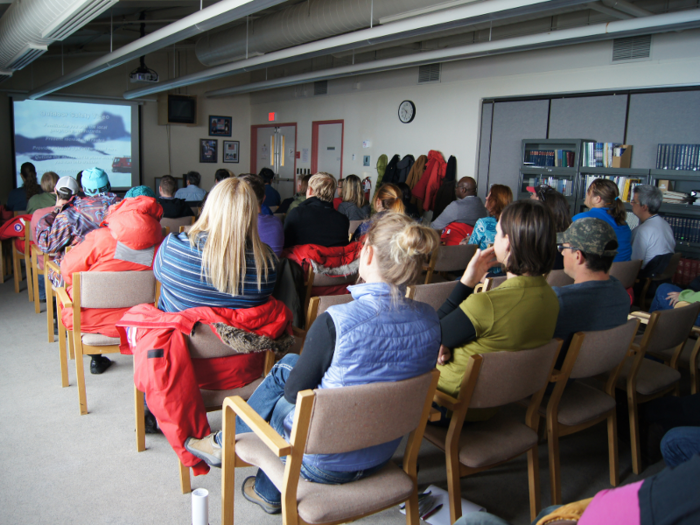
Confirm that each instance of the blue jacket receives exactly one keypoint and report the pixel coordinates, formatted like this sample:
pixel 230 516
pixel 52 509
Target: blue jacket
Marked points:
pixel 376 342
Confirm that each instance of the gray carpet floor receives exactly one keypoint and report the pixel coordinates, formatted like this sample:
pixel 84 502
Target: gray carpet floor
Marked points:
pixel 57 467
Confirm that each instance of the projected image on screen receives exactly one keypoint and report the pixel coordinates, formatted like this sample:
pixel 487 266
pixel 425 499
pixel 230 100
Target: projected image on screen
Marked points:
pixel 68 137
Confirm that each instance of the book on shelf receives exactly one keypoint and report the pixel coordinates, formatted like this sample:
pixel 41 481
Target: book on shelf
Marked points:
pixel 625 185
pixel 563 186
pixel 560 158
pixel 678 157
pixel 685 229
pixel 606 155
pixel 676 197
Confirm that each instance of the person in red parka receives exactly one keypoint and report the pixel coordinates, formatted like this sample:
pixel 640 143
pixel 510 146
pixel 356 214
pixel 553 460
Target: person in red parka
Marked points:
pixel 128 243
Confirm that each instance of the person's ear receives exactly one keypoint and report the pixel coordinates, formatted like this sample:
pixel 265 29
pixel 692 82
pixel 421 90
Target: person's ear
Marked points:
pixel 370 254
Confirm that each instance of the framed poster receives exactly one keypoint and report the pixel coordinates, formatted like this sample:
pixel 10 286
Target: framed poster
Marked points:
pixel 231 148
pixel 219 126
pixel 208 150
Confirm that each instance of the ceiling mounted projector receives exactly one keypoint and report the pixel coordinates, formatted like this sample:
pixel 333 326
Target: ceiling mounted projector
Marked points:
pixel 143 74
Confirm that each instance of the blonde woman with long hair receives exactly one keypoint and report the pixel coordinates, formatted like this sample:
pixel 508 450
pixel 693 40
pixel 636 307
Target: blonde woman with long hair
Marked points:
pixel 353 205
pixel 220 262
pixel 389 198
pixel 379 336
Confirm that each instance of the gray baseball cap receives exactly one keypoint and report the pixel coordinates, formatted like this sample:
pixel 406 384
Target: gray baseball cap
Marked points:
pixel 591 235
pixel 68 183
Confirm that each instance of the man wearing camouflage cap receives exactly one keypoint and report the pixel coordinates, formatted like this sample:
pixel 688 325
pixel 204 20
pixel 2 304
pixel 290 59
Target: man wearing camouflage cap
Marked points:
pixel 596 301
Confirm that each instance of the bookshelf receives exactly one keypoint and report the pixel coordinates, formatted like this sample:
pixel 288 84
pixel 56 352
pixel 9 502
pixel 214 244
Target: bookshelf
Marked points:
pixel 625 178
pixel 683 218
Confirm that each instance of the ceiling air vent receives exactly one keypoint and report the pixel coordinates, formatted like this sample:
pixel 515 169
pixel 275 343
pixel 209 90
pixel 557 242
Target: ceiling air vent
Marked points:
pixel 75 17
pixel 429 73
pixel 321 87
pixel 29 53
pixel 632 48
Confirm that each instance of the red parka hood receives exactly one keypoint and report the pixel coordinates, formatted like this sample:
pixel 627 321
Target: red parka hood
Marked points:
pixel 135 222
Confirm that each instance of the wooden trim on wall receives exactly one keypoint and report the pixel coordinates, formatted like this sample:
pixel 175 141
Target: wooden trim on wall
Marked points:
pixel 314 143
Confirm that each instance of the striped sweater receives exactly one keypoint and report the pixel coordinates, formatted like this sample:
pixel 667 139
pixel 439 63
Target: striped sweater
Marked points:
pixel 178 267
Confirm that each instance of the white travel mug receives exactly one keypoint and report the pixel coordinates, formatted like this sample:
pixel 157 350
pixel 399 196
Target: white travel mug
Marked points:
pixel 200 507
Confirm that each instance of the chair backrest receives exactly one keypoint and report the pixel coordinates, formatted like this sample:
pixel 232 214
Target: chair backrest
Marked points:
pixel 185 229
pixel 174 224
pixel 354 225
pixel 493 282
pixel 321 279
pixel 601 351
pixel 20 212
pixel 205 344
pixel 356 417
pixel 454 258
pixel 116 289
pixel 626 272
pixel 433 294
pixel 671 268
pixel 165 230
pixel 326 301
pixel 506 377
pixel 559 278
pixel 669 328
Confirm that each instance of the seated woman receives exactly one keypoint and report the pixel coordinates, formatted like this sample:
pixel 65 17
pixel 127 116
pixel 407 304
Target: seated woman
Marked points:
pixel 520 314
pixel 561 211
pixel 389 198
pixel 668 295
pixel 603 201
pixel 353 199
pixel 485 228
pixel 380 336
pixel 219 262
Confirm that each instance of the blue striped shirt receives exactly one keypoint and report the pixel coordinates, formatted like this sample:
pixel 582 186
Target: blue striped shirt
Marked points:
pixel 178 267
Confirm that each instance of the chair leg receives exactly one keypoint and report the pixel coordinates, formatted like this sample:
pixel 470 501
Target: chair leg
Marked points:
pixel 63 358
pixel 412 516
pixel 35 284
pixel 454 489
pixel 17 270
pixel 29 271
pixel 49 309
pixel 140 420
pixel 612 449
pixel 71 349
pixel 554 465
pixel 80 373
pixel 184 478
pixel 634 436
pixel 533 473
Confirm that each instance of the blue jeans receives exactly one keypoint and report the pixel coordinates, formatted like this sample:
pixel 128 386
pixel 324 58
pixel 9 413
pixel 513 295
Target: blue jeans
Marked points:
pixel 42 289
pixel 484 518
pixel 680 444
pixel 269 402
pixel 661 303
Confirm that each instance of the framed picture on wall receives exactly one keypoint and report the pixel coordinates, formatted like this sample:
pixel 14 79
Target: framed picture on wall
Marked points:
pixel 231 148
pixel 208 150
pixel 219 126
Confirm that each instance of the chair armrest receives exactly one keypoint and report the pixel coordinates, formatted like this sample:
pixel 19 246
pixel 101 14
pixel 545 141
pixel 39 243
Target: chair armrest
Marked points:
pixel 53 266
pixel 63 297
pixel 641 315
pixel 446 400
pixel 435 415
pixel 262 428
pixel 695 330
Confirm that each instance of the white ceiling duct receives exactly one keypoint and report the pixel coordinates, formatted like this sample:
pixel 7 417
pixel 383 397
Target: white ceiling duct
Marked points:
pixel 213 16
pixel 457 17
pixel 622 28
pixel 4 75
pixel 29 26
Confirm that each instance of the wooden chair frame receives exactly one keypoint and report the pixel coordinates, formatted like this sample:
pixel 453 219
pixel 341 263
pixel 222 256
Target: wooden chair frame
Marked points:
pixel 459 408
pixel 294 451
pixel 25 256
pixel 555 429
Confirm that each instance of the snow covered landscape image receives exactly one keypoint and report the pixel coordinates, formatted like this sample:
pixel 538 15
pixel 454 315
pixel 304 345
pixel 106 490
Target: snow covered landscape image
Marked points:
pixel 68 137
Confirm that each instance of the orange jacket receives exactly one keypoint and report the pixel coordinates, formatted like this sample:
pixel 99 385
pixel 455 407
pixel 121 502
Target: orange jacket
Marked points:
pixel 428 185
pixel 135 223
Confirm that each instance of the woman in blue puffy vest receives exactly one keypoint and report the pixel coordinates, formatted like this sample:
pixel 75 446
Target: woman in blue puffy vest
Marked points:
pixel 379 336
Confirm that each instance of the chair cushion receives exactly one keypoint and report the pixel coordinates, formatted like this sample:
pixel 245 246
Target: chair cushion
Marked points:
pixel 99 340
pixel 487 443
pixel 653 377
pixel 320 503
pixel 581 403
pixel 215 398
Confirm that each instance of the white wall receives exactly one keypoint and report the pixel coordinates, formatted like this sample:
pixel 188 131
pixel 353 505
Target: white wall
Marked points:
pixel 448 113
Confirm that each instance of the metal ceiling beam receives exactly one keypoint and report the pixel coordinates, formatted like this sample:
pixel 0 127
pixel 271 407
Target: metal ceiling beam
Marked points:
pixel 216 15
pixel 622 28
pixel 461 16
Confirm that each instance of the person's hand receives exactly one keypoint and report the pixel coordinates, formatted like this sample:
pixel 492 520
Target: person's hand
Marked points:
pixel 480 264
pixel 444 355
pixel 673 298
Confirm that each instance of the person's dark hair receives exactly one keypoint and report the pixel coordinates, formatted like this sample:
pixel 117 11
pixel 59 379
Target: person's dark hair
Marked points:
pixel 193 177
pixel 599 263
pixel 559 206
pixel 405 193
pixel 79 179
pixel 257 185
pixel 222 174
pixel 168 185
pixel 533 240
pixel 28 174
pixel 305 183
pixel 267 175
pixel 609 193
pixel 48 181
pixel 498 198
